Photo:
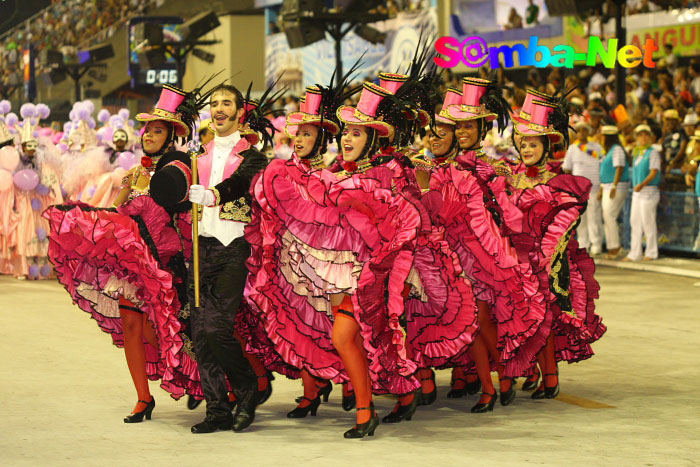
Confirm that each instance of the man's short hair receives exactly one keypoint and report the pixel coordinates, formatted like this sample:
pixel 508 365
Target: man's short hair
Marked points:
pixel 233 90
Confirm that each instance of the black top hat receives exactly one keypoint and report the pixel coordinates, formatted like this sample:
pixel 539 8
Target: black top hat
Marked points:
pixel 171 182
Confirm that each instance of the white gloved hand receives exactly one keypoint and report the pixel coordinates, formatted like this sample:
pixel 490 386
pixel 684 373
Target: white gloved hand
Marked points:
pixel 200 195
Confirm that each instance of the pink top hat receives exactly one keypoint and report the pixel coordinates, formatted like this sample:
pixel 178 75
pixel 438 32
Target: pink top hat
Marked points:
pixel 470 108
pixel 310 112
pixel 526 109
pixel 538 124
pixel 166 110
pixel 392 81
pixel 366 111
pixel 452 97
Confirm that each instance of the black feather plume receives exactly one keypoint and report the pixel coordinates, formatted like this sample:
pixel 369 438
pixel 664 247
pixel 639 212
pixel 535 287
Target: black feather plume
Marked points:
pixel 257 118
pixel 494 102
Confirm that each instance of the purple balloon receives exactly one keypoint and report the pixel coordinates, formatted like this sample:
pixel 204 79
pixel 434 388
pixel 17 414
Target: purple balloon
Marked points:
pixel 103 115
pixel 45 270
pixel 26 179
pixel 33 271
pixel 42 189
pixel 36 204
pixel 127 160
pixel 64 193
pixel 41 234
pixel 91 191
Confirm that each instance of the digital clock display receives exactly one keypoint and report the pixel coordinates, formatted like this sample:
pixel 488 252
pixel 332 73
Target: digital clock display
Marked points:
pixel 161 76
pixel 164 73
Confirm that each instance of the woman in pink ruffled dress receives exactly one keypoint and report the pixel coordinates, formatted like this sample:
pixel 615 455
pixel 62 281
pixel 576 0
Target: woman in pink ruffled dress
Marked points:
pixel 477 216
pixel 280 192
pixel 552 204
pixel 125 266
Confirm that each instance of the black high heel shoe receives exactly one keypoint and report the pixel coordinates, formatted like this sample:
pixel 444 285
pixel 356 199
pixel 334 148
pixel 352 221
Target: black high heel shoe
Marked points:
pixel 458 393
pixel 473 387
pixel 427 398
pixel 301 412
pixel 325 391
pixel 530 384
pixel 349 402
pixel 403 412
pixel 367 428
pixel 137 417
pixel 267 392
pixel 545 392
pixel 485 407
pixel 508 396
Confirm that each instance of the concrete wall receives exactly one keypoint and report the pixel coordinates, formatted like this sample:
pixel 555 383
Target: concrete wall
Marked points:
pixel 241 52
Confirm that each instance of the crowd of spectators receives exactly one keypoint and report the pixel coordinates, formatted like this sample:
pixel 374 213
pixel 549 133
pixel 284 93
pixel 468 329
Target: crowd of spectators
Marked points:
pixel 64 26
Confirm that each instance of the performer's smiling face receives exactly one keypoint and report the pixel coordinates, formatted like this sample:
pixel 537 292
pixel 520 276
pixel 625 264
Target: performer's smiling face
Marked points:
pixel 441 139
pixel 305 139
pixel 532 149
pixel 224 112
pixel 154 136
pixel 467 133
pixel 353 142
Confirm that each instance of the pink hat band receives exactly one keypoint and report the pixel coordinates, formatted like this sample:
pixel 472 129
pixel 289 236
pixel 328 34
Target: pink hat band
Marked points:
pixel 392 81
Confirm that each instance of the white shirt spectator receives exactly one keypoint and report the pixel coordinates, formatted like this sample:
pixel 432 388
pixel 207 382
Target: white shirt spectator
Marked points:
pixel 584 164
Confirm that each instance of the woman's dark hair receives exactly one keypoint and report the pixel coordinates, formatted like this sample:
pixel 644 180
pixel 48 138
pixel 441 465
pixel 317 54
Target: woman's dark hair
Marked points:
pixel 321 143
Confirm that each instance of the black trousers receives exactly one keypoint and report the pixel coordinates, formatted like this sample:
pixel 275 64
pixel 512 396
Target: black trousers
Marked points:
pixel 222 277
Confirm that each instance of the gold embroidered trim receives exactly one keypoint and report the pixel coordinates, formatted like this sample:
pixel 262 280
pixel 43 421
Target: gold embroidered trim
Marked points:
pixel 236 211
pixel 522 182
pixel 188 346
pixel 217 196
pixel 363 117
pixel 555 266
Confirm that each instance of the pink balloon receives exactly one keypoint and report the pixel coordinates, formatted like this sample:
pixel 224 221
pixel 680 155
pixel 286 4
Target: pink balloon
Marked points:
pixel 5 179
pixel 9 158
pixel 26 179
pixel 127 160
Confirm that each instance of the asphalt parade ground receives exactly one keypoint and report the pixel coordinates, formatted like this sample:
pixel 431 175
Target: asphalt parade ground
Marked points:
pixel 64 390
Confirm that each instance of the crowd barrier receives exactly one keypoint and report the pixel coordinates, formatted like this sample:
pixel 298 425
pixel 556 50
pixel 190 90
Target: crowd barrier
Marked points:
pixel 677 218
